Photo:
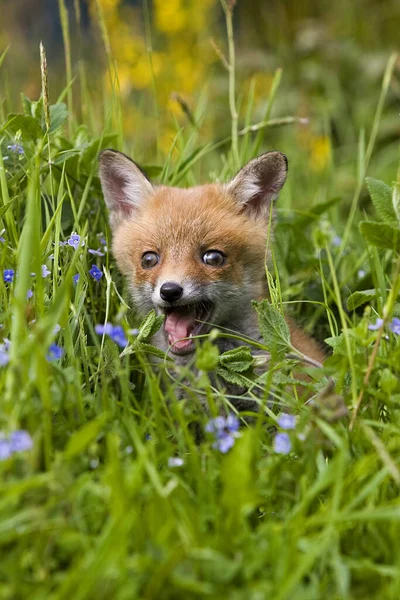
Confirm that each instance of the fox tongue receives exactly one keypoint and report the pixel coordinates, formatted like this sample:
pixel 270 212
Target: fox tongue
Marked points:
pixel 178 326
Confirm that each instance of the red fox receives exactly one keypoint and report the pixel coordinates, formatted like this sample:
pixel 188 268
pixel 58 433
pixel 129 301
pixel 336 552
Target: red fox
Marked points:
pixel 197 254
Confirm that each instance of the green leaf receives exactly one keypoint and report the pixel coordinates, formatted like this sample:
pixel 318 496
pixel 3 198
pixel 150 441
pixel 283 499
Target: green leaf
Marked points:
pixel 29 126
pixel 84 436
pixel 150 326
pixel 381 235
pixel 381 196
pixel 5 208
pixel 273 327
pixel 359 298
pixel 58 115
pixel 238 476
pixel 338 343
pixel 237 360
pixel 207 357
pixel 235 378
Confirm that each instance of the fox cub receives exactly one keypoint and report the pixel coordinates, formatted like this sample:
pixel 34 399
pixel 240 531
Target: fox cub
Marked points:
pixel 197 254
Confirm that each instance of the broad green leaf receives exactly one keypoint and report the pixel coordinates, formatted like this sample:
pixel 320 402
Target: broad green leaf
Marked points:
pixel 273 327
pixel 239 492
pixel 381 196
pixel 235 378
pixel 338 343
pixel 381 235
pixel 237 360
pixel 29 126
pixel 58 115
pixel 150 325
pixel 86 434
pixel 359 298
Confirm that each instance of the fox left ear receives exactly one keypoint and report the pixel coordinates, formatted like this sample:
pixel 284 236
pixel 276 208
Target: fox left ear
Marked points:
pixel 259 183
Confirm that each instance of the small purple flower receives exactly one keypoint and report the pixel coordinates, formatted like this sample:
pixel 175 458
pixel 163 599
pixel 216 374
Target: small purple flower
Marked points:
pixel 95 252
pixel 286 421
pixel 102 239
pixel 118 336
pixel 56 329
pixel 133 331
pixel 175 461
pixel 55 353
pixel 20 441
pixel 76 278
pixel 2 240
pixel 4 356
pixel 96 273
pixel 225 430
pixel 5 449
pixel 63 244
pixel 105 329
pixel 224 444
pixel 336 241
pixel 378 325
pixel 45 271
pixel 8 275
pixel 115 332
pixel 282 443
pixel 29 294
pixel 17 148
pixel 75 241
pixel 394 326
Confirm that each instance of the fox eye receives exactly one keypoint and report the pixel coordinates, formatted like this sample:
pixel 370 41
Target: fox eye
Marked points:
pixel 150 260
pixel 214 258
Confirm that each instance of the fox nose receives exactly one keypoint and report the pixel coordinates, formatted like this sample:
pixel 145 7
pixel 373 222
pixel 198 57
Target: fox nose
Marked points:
pixel 171 291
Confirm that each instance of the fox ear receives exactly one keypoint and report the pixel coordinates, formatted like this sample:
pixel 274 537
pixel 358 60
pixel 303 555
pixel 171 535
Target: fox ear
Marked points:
pixel 259 183
pixel 125 186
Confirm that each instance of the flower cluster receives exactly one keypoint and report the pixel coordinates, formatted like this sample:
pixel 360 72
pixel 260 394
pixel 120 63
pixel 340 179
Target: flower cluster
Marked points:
pixel 115 332
pixel 394 325
pixel 17 148
pixel 282 443
pixel 18 441
pixel 224 430
pixel 54 352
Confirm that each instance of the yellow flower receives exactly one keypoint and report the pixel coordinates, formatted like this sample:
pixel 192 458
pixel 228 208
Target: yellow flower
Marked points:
pixel 320 153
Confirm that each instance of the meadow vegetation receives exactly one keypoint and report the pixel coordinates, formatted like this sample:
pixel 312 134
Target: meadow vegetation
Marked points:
pixel 107 488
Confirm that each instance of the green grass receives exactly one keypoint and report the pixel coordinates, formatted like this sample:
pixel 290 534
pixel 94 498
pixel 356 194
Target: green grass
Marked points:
pixel 96 509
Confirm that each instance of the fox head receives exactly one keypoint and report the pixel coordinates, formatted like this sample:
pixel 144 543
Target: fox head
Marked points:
pixel 197 254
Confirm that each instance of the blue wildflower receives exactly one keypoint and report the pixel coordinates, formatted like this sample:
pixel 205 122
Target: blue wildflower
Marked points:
pixel 5 449
pixel 54 353
pixel 394 326
pixel 115 332
pixel 282 443
pixel 75 241
pixel 378 325
pixel 225 430
pixel 20 441
pixel 2 240
pixel 286 421
pixel 4 356
pixel 29 294
pixel 17 148
pixel 76 278
pixel 45 271
pixel 95 252
pixel 8 275
pixel 175 461
pixel 96 273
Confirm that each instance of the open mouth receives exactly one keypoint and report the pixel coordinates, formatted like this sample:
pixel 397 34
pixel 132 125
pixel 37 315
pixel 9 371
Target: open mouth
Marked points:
pixel 183 322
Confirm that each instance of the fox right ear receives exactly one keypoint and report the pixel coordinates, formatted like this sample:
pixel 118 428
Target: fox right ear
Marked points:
pixel 125 186
pixel 259 182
